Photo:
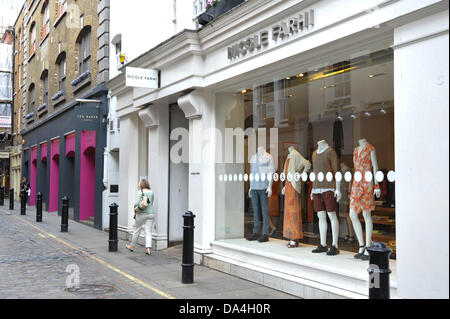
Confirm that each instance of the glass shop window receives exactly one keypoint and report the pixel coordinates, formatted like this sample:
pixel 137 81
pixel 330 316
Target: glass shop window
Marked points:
pixel 318 147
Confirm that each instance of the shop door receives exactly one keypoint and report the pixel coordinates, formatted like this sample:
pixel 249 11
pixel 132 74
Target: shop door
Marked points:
pixel 178 180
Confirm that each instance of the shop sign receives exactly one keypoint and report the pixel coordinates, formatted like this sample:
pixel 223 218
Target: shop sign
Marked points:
pixel 4 155
pixel 143 78
pixel 87 117
pixel 295 25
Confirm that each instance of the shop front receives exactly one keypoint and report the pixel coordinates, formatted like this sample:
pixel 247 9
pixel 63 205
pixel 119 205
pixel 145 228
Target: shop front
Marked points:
pixel 305 142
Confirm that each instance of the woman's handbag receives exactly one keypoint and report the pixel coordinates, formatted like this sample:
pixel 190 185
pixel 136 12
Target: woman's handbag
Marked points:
pixel 143 204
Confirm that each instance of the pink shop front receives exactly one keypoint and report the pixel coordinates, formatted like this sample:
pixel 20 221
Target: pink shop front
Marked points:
pixel 63 156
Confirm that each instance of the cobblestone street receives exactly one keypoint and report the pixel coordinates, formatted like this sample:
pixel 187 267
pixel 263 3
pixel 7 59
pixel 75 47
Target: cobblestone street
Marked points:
pixel 33 265
pixel 37 262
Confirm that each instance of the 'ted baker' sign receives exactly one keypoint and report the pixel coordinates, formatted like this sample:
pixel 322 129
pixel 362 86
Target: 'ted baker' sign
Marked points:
pixel 143 78
pixel 285 29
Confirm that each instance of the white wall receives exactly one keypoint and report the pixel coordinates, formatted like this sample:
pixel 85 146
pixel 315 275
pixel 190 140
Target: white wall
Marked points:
pixel 422 157
pixel 144 24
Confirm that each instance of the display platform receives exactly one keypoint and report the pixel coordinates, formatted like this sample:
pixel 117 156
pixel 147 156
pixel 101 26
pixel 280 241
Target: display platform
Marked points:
pixel 296 271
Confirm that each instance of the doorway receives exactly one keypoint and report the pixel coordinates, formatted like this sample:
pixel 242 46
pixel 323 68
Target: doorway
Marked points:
pixel 178 178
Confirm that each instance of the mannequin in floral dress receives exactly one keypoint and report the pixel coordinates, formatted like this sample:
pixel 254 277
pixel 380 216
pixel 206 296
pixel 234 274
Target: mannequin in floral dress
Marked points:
pixel 362 195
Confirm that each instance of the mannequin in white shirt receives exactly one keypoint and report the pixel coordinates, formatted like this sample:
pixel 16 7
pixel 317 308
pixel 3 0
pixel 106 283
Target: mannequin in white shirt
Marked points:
pixel 322 215
pixel 262 152
pixel 363 254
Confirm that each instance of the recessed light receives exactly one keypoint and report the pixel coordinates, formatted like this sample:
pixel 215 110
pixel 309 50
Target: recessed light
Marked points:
pixel 368 114
pixel 244 91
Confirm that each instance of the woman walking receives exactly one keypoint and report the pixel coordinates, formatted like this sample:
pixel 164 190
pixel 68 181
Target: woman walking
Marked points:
pixel 144 216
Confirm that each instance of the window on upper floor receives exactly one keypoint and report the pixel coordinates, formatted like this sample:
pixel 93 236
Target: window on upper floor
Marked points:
pixel 32 38
pixel 62 73
pixel 62 7
pixel 84 50
pixel 31 98
pixel 45 19
pixel 199 7
pixel 44 87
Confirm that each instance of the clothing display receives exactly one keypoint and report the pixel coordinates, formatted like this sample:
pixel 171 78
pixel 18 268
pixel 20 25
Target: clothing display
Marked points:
pixel 261 164
pixel 310 216
pixel 338 137
pixel 260 205
pixel 362 195
pixel 292 228
pixel 324 163
pixel 345 189
pixel 297 164
pixel 325 202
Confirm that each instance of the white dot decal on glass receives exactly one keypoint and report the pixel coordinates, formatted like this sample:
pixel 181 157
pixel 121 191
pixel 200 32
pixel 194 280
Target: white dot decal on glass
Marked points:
pixel 275 177
pixel 252 177
pixel 289 177
pixel 358 176
pixel 269 177
pixel 312 177
pixel 235 178
pixel 257 177
pixel 379 176
pixel 225 178
pixel 329 176
pixel 348 177
pixel 282 177
pixel 241 177
pixel 339 177
pixel 230 178
pixel 297 177
pixel 320 177
pixel 304 177
pixel 220 178
pixel 263 177
pixel 246 177
pixel 391 176
pixel 369 177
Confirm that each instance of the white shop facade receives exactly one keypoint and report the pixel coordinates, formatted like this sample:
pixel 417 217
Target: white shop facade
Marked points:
pixel 301 73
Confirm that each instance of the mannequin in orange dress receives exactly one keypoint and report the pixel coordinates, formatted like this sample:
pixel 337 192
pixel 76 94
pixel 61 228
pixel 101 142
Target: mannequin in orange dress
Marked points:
pixel 292 228
pixel 362 195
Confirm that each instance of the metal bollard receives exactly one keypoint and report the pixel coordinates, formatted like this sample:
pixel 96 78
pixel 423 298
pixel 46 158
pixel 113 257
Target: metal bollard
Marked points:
pixel 39 207
pixel 65 215
pixel 113 239
pixel 2 196
pixel 379 272
pixel 23 203
pixel 187 275
pixel 11 199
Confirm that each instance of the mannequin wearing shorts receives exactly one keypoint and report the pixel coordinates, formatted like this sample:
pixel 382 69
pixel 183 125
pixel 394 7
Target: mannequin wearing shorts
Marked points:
pixel 362 195
pixel 325 195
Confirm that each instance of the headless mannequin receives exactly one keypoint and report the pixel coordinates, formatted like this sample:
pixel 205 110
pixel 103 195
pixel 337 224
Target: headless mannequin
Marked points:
pixel 261 152
pixel 283 192
pixel 323 225
pixel 366 214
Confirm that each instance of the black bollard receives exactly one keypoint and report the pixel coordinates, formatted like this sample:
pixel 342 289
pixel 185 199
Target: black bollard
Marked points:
pixel 23 203
pixel 187 276
pixel 113 215
pixel 2 196
pixel 379 272
pixel 11 199
pixel 39 207
pixel 65 215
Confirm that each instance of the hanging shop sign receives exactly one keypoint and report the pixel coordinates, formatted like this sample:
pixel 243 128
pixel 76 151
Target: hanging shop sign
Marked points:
pixel 298 24
pixel 142 78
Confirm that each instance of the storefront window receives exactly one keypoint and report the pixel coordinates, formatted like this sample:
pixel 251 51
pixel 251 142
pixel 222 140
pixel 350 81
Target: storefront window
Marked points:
pixel 315 125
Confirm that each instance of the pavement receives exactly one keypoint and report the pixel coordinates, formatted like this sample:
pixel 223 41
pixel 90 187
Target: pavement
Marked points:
pixel 37 261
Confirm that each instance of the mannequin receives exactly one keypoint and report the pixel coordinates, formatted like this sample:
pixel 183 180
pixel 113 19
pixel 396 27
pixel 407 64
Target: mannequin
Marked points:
pixel 260 191
pixel 292 228
pixel 362 195
pixel 325 196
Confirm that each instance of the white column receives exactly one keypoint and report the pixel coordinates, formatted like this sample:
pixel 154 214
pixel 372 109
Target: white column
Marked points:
pixel 199 108
pixel 422 157
pixel 156 119
pixel 128 170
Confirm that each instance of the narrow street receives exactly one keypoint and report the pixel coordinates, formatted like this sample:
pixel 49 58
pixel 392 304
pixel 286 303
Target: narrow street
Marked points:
pixel 34 259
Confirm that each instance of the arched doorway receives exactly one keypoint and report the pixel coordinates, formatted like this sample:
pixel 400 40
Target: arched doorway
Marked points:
pixel 87 175
pixel 54 177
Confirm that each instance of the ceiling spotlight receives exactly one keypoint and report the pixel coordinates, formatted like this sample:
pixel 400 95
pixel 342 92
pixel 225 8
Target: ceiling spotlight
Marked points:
pixel 243 91
pixel 383 111
pixel 300 75
pixel 288 78
pixel 353 116
pixel 368 114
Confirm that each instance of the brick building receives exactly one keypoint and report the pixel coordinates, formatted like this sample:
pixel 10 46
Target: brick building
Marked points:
pixel 63 103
